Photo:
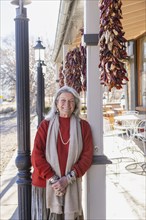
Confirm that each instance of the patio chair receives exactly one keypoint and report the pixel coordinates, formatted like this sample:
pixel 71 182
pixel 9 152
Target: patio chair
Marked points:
pixel 129 149
pixel 110 129
pixel 116 141
pixel 139 167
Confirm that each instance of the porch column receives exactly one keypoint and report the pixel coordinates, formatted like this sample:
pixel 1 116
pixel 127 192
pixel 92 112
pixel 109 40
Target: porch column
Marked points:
pixel 57 66
pixel 94 182
pixel 133 81
pixel 65 51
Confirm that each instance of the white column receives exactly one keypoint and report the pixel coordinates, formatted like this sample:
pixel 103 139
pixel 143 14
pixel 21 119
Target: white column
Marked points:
pixel 65 51
pixel 94 187
pixel 57 66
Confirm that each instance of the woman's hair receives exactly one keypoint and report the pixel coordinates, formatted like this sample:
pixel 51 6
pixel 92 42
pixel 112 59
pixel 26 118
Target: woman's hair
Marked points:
pixel 63 89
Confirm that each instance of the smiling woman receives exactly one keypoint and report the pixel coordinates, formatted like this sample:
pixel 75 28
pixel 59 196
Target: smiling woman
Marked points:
pixel 62 154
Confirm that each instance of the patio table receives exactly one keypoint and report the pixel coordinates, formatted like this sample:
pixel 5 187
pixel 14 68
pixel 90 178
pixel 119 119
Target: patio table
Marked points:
pixel 127 118
pixel 127 121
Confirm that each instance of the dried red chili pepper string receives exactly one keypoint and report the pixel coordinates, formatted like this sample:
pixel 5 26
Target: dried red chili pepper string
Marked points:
pixel 74 74
pixel 112 45
pixel 72 70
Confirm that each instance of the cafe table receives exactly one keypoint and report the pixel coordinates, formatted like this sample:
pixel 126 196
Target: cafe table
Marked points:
pixel 127 117
pixel 128 120
pixel 130 117
pixel 127 123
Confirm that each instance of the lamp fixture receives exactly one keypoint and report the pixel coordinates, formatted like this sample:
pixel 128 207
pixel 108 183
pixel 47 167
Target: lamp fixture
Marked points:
pixel 18 2
pixel 39 51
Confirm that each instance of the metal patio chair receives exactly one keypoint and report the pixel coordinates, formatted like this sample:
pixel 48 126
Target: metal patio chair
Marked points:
pixel 139 167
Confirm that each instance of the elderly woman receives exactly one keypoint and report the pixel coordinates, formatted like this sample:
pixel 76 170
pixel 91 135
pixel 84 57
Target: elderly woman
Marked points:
pixel 62 153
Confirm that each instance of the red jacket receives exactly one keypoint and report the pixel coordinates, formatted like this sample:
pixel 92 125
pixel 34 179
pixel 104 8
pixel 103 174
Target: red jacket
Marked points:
pixel 42 169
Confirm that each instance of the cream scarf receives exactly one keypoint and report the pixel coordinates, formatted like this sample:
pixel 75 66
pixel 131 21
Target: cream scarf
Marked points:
pixel 71 201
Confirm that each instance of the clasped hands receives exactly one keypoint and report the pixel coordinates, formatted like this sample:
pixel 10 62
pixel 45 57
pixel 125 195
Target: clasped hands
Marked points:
pixel 60 186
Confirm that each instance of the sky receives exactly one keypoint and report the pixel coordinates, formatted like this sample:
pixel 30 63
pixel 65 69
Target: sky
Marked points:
pixel 42 15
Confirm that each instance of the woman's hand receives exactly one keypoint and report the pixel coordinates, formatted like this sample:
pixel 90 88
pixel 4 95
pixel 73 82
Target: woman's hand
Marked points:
pixel 60 185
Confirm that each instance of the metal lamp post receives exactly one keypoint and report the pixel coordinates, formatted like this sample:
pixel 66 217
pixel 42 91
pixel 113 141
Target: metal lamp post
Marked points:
pixel 43 85
pixel 39 57
pixel 23 162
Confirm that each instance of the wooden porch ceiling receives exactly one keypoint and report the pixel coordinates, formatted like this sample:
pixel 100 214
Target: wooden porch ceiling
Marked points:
pixel 134 18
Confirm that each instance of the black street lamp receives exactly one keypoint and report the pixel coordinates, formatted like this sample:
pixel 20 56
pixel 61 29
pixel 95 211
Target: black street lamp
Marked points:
pixel 39 57
pixel 23 161
pixel 43 85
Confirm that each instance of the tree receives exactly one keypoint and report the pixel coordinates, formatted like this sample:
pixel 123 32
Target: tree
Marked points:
pixel 8 69
pixel 8 72
pixel 50 77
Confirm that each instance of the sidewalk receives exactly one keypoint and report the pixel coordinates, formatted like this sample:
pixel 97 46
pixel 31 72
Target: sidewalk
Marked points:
pixel 126 195
pixel 8 185
pixel 8 196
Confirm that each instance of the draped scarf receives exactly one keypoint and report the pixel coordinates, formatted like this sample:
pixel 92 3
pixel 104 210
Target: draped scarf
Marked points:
pixel 70 203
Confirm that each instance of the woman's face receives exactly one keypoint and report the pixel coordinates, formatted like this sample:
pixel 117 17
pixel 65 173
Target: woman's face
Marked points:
pixel 66 104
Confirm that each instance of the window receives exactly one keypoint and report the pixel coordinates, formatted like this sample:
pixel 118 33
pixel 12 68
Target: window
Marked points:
pixel 141 55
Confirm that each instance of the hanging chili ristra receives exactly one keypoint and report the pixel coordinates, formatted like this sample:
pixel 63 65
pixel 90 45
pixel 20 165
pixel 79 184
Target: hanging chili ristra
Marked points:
pixel 83 63
pixel 72 70
pixel 112 45
pixel 74 73
pixel 83 67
